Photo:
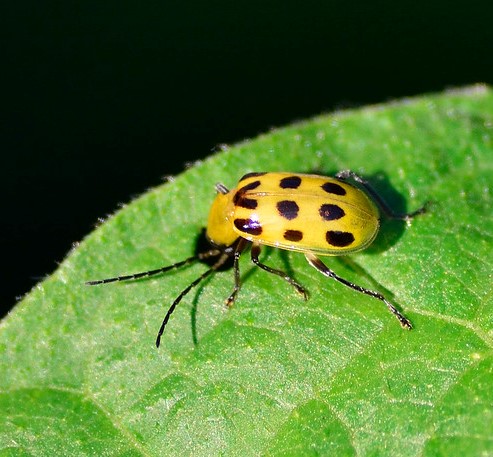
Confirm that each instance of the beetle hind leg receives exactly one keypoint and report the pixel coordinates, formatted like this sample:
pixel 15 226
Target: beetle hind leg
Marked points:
pixel 389 212
pixel 315 262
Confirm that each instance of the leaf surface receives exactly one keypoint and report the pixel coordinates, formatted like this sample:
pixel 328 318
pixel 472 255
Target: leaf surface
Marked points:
pixel 274 375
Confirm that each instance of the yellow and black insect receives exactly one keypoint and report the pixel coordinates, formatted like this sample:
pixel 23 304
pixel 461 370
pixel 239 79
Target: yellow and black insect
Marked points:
pixel 312 214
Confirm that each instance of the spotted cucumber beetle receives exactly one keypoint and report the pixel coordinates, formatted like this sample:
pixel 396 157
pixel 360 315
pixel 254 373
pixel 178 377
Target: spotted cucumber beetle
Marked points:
pixel 313 214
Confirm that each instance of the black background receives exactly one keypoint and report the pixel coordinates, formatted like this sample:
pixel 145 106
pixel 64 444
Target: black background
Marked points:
pixel 101 99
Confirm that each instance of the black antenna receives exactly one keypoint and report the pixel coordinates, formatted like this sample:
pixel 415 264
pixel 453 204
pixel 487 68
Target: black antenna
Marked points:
pixel 185 291
pixel 201 256
pixel 143 274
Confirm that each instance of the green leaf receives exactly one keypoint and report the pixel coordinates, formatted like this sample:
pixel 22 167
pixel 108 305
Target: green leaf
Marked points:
pixel 274 375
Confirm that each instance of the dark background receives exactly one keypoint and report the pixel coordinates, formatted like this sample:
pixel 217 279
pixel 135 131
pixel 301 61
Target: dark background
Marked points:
pixel 101 99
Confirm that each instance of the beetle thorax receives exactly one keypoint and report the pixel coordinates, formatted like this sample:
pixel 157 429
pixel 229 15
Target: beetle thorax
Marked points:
pixel 219 227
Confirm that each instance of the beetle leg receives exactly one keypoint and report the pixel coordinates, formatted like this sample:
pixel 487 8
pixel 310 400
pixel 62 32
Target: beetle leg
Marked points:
pixel 389 212
pixel 236 268
pixel 255 252
pixel 315 262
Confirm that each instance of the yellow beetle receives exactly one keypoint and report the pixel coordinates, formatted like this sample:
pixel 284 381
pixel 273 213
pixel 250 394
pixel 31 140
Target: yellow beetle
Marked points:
pixel 313 214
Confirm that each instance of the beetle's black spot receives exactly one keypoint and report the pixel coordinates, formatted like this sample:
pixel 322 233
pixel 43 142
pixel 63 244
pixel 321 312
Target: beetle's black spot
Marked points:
pixel 333 188
pixel 252 175
pixel 293 235
pixel 239 193
pixel 248 203
pixel 338 238
pixel 288 209
pixel 251 186
pixel 291 182
pixel 331 212
pixel 248 226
